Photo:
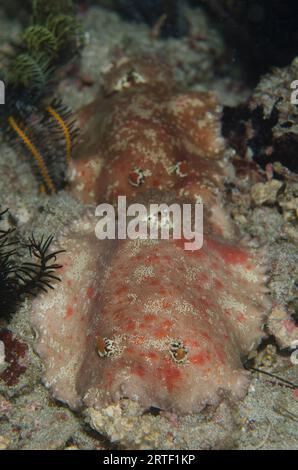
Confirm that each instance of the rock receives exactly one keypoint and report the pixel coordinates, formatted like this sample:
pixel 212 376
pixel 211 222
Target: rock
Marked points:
pixel 127 425
pixel 265 193
pixel 288 201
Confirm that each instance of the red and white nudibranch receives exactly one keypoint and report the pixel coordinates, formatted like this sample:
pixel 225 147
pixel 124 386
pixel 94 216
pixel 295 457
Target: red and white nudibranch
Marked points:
pixel 164 326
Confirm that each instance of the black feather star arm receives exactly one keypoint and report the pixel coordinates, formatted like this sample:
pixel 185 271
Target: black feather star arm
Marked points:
pixel 44 132
pixel 39 275
pixel 20 278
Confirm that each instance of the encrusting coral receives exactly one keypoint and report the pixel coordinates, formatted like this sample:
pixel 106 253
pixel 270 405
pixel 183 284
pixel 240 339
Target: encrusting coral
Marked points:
pixel 54 36
pixel 147 319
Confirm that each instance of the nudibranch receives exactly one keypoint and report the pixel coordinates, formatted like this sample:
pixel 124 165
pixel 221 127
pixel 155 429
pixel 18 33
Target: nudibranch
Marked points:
pixel 146 319
pixel 42 132
pixel 146 132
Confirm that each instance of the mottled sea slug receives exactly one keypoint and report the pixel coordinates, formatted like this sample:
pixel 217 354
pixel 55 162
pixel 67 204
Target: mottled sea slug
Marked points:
pixel 147 319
